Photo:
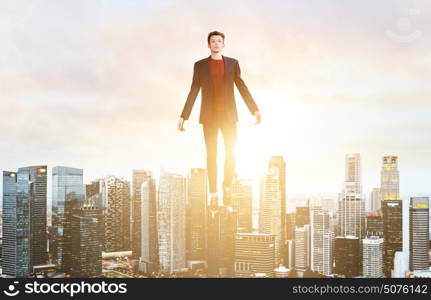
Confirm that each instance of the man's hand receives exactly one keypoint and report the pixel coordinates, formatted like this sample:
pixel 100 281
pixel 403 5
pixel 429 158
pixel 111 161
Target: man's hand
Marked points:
pixel 181 124
pixel 258 117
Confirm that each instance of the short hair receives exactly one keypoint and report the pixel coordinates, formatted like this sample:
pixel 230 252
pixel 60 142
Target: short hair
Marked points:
pixel 215 33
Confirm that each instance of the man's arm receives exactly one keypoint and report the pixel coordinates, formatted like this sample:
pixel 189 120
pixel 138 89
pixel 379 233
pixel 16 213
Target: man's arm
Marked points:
pixel 194 90
pixel 243 90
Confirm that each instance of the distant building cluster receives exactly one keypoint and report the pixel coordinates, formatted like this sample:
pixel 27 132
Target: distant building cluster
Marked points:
pixel 111 227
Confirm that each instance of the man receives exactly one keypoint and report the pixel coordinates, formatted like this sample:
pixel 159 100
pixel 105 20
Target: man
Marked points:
pixel 215 75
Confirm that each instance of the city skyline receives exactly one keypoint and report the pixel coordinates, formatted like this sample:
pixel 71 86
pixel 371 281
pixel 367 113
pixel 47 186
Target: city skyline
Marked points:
pixel 195 237
pixel 293 199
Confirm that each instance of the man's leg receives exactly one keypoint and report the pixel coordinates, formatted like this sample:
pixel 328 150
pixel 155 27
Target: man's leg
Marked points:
pixel 211 134
pixel 229 131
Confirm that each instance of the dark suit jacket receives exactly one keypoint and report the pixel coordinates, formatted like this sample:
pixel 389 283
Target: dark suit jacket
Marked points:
pixel 202 80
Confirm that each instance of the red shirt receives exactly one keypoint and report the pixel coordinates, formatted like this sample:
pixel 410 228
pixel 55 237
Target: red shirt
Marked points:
pixel 217 76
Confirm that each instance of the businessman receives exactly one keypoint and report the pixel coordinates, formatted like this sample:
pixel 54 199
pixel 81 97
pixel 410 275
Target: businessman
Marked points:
pixel 215 76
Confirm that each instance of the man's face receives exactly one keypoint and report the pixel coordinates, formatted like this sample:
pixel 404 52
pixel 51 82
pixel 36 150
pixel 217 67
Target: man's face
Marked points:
pixel 216 43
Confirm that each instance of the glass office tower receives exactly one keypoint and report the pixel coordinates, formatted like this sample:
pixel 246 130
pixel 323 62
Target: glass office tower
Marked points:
pixel 68 193
pixel 16 224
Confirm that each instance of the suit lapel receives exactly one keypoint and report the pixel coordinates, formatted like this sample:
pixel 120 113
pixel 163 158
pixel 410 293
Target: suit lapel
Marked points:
pixel 208 73
pixel 226 70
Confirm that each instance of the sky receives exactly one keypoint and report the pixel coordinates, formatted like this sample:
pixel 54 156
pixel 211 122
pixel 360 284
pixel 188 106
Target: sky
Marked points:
pixel 100 85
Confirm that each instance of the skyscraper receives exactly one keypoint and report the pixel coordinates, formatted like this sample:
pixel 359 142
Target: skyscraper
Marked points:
pixel 94 196
pixel 149 250
pixel 376 201
pixel 302 248
pixel 389 186
pixel 273 205
pixel 94 193
pixel 392 211
pixel 86 241
pixel 116 205
pixel 346 256
pixel 353 173
pixel 290 240
pixel 351 208
pixel 321 241
pixel 372 256
pixel 401 264
pixel 171 221
pixel 197 215
pixel 290 226
pixel 222 228
pixel 302 216
pixel 67 194
pixel 254 253
pixel 16 224
pixel 374 224
pixel 328 204
pixel 352 216
pixel 419 233
pixel 138 177
pixel 38 203
pixel 242 199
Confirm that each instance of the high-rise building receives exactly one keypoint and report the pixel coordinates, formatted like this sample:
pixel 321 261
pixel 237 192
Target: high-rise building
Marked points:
pixel 67 194
pixel 86 242
pixel 392 211
pixel 290 254
pixel 16 224
pixel 222 228
pixel 302 248
pixel 242 198
pixel 272 209
pixel 254 253
pixel 290 226
pixel 138 177
pixel 38 215
pixel 171 221
pixel 197 215
pixel 376 201
pixel 351 206
pixel 302 216
pixel 116 206
pixel 352 216
pixel 149 250
pixel 372 256
pixel 353 173
pixel 346 256
pixel 401 264
pixel 94 197
pixel 389 186
pixel 328 204
pixel 277 161
pixel 290 240
pixel 419 233
pixel 321 241
pixel 94 193
pixel 374 224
